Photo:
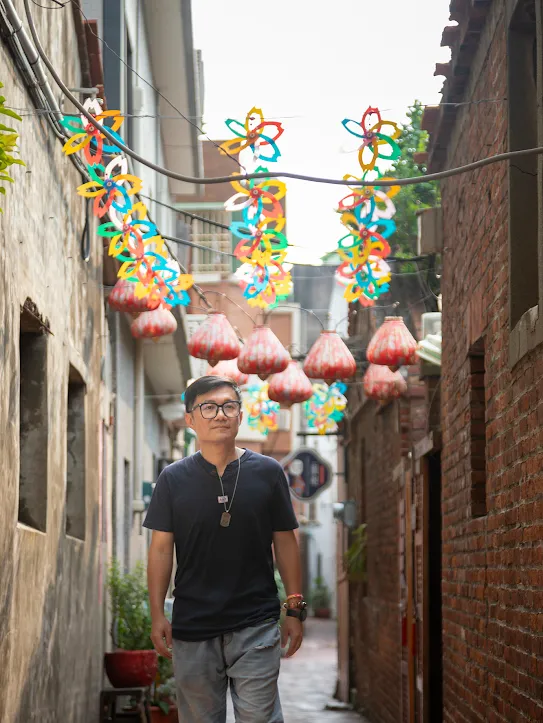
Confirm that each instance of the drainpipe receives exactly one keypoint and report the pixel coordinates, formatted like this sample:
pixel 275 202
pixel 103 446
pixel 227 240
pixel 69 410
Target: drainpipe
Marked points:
pixel 33 58
pixel 139 426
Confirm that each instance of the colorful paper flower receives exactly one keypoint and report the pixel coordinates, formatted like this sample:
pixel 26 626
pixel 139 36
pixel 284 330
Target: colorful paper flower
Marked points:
pixel 255 133
pixel 88 136
pixel 375 143
pixel 108 190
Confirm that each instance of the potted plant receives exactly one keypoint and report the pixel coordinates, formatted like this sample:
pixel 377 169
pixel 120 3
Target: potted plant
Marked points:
pixel 320 599
pixel 134 662
pixel 163 701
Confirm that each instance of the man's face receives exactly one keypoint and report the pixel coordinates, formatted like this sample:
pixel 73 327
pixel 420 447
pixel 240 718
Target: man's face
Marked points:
pixel 221 428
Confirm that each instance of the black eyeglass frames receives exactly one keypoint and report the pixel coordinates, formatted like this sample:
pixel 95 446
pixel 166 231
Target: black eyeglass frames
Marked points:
pixel 209 410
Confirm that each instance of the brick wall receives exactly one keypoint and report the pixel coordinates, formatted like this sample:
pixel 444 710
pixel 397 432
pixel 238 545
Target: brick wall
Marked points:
pixel 492 598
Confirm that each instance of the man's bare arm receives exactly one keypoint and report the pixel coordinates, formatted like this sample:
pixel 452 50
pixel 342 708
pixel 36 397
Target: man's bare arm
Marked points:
pixel 287 556
pixel 159 573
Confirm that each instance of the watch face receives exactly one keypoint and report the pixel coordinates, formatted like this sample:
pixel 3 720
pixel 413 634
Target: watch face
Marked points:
pixel 303 614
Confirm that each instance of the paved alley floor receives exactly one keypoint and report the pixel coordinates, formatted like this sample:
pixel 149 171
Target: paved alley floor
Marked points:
pixel 308 680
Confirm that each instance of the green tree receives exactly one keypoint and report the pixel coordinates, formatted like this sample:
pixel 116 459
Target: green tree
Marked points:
pixel 411 198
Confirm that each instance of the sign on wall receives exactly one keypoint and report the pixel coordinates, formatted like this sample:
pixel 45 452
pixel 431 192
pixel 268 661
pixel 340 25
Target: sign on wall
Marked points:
pixel 308 474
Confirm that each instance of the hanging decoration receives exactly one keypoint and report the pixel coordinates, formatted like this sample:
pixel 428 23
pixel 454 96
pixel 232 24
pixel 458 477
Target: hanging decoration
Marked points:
pixel 123 298
pixel 228 368
pixel 367 212
pixel 392 344
pixel 326 407
pixel 329 359
pixel 262 413
pixel 263 354
pixel 152 324
pixel 261 244
pixel 215 340
pixel 134 240
pixel 382 384
pixel 290 387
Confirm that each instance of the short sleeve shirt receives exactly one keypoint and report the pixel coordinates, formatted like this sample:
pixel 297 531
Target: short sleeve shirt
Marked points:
pixel 225 575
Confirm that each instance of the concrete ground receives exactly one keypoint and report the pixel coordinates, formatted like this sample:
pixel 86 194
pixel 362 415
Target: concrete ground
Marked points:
pixel 308 680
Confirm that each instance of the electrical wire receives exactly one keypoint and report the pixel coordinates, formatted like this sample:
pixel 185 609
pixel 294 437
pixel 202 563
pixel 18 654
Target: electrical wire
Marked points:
pixel 155 89
pixel 265 175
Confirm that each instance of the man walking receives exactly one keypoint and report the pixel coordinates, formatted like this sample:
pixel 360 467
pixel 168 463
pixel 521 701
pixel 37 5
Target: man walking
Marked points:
pixel 223 508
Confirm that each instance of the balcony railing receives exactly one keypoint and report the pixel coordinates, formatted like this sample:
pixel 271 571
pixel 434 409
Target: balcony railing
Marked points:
pixel 212 261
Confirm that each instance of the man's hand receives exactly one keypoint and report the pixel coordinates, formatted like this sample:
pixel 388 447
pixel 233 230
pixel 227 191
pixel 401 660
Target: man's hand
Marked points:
pixel 292 629
pixel 161 635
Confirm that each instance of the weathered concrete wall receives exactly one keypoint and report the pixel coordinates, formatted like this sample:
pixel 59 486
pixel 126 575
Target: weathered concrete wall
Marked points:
pixel 50 614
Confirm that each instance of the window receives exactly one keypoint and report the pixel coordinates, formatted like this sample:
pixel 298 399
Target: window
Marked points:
pixel 76 508
pixel 523 63
pixel 477 430
pixel 33 420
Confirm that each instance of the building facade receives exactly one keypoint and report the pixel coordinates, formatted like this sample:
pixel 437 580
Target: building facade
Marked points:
pixel 492 362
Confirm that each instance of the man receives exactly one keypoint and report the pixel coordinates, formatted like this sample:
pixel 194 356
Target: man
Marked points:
pixel 223 508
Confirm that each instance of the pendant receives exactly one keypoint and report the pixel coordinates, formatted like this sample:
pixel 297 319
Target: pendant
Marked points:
pixel 225 519
pixel 222 499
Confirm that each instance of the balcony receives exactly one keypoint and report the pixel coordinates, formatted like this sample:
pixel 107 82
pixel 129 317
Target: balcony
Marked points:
pixel 212 261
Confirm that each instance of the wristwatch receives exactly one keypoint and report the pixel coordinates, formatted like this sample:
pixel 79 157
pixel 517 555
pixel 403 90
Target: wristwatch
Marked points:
pixel 299 612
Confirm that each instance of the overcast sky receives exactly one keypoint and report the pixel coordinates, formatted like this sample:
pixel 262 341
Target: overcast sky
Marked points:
pixel 311 63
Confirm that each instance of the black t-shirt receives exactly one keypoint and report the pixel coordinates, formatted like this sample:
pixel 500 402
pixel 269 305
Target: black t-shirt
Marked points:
pixel 224 579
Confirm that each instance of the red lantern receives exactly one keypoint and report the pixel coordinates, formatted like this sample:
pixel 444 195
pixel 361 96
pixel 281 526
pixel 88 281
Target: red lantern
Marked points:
pixel 263 354
pixel 215 340
pixel 290 387
pixel 230 370
pixel 329 359
pixel 152 324
pixel 123 298
pixel 382 384
pixel 392 344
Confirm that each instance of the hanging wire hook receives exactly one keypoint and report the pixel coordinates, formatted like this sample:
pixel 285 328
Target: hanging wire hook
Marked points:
pixel 220 293
pixel 266 314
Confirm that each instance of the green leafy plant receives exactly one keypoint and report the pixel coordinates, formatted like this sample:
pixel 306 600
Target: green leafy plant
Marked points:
pixel 163 695
pixel 355 557
pixel 8 142
pixel 320 595
pixel 131 624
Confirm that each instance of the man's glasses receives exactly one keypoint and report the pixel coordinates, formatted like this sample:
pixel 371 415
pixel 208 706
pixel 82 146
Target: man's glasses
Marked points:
pixel 209 410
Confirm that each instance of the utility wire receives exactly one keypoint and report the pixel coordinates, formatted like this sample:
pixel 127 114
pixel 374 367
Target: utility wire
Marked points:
pixel 264 175
pixel 156 90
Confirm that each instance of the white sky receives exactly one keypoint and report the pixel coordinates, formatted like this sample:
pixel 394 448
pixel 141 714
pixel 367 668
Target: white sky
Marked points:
pixel 311 63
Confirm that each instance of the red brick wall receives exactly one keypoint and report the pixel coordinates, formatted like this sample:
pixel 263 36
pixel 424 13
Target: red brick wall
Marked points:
pixel 373 452
pixel 492 564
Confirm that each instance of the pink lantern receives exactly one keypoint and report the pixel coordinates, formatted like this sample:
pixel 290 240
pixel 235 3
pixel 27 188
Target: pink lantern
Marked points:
pixel 392 344
pixel 382 384
pixel 290 387
pixel 263 354
pixel 215 340
pixel 229 369
pixel 123 298
pixel 152 324
pixel 329 359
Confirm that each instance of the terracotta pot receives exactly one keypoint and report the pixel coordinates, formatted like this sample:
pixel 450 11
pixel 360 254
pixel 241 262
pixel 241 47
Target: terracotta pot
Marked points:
pixel 157 716
pixel 321 613
pixel 131 668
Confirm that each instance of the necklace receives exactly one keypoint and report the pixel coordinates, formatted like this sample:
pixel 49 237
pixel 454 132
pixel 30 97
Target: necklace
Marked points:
pixel 226 516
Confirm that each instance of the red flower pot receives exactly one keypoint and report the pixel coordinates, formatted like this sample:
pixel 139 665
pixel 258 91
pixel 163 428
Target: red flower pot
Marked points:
pixel 131 668
pixel 157 716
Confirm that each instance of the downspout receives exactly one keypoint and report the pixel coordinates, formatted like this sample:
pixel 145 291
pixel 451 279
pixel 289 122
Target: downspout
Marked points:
pixel 139 426
pixel 33 60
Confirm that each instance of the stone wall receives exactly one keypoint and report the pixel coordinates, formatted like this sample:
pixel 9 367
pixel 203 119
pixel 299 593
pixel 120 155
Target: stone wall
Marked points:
pixel 50 615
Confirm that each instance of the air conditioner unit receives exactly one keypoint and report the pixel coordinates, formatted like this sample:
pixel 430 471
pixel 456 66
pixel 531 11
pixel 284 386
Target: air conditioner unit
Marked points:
pixel 431 323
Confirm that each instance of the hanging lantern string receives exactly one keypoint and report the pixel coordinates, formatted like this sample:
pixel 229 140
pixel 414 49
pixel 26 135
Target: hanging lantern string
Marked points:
pixel 266 314
pixel 220 293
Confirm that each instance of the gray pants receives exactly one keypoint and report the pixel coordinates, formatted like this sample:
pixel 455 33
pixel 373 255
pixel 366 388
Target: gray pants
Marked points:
pixel 248 659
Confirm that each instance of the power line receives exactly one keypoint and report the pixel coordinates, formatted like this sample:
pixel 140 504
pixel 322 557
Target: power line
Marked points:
pixel 157 91
pixel 265 175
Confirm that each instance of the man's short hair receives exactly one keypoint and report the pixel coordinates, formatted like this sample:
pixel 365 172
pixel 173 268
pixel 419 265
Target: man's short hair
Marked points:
pixel 207 384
